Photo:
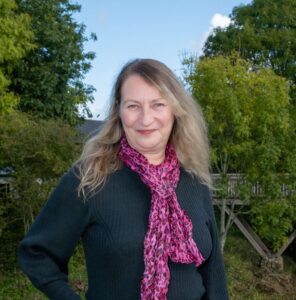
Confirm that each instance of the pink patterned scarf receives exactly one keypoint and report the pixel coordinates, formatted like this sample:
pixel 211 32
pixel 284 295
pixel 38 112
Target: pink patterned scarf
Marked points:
pixel 170 229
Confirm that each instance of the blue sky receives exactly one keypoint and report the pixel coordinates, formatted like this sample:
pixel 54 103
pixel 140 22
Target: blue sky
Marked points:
pixel 162 30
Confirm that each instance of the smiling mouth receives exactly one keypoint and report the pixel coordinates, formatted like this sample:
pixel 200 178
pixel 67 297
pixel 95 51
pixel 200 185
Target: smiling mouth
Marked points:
pixel 146 132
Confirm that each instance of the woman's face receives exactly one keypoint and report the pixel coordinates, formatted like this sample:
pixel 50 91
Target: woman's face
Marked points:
pixel 147 118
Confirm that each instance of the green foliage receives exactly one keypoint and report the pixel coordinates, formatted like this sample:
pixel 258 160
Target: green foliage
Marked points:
pixel 49 79
pixel 38 152
pixel 272 220
pixel 15 41
pixel 244 108
pixel 251 132
pixel 8 100
pixel 264 32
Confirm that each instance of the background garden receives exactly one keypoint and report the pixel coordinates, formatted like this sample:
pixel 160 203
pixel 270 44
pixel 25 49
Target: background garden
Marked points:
pixel 245 82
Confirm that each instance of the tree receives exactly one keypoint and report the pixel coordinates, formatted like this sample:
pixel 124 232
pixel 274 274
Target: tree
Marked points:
pixel 251 133
pixel 50 79
pixel 15 42
pixel 263 32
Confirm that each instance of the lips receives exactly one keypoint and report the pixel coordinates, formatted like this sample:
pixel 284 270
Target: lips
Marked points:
pixel 146 132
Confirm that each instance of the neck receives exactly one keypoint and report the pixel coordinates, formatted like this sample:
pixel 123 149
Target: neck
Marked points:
pixel 155 158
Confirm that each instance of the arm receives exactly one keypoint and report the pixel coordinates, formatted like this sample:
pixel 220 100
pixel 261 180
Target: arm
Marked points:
pixel 212 270
pixel 45 251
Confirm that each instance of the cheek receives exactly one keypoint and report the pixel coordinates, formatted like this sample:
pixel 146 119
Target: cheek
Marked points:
pixel 169 128
pixel 168 120
pixel 127 119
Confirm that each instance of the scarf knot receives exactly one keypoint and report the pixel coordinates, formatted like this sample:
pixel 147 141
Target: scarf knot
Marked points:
pixel 169 233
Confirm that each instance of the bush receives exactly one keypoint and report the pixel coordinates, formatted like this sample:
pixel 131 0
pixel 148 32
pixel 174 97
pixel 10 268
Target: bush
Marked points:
pixel 37 153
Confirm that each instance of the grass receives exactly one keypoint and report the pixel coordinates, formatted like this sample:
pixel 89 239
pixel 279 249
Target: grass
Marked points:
pixel 247 280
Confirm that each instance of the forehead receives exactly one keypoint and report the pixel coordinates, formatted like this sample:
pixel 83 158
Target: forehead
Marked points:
pixel 137 86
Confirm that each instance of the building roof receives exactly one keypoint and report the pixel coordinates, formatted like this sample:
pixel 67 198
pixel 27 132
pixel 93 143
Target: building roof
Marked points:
pixel 89 127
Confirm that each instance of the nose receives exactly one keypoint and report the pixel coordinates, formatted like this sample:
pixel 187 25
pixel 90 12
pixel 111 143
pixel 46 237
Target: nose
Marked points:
pixel 146 116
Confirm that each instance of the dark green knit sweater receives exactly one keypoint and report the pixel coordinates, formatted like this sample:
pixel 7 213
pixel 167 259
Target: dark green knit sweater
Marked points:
pixel 112 225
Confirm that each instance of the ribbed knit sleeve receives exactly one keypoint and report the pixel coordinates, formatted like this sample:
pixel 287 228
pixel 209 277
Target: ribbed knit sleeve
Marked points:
pixel 45 251
pixel 212 270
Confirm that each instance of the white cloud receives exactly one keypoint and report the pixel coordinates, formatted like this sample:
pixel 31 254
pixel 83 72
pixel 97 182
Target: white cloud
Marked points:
pixel 217 20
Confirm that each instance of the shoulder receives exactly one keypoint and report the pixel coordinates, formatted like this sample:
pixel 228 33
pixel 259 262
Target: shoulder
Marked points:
pixel 70 177
pixel 65 192
pixel 191 188
pixel 69 182
pixel 193 182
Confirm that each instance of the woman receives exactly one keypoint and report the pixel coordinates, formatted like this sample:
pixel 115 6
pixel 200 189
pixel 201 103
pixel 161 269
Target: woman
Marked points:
pixel 139 197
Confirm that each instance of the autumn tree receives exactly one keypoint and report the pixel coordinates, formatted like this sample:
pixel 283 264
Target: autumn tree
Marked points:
pixel 15 41
pixel 251 133
pixel 49 79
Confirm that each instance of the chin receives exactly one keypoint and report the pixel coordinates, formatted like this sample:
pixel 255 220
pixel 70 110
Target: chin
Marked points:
pixel 147 145
pixel 150 147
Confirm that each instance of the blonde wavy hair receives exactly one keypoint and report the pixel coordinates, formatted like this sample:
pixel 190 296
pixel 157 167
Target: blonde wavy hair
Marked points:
pixel 189 134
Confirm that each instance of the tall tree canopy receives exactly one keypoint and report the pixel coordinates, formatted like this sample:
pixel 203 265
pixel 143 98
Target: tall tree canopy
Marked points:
pixel 50 79
pixel 15 41
pixel 263 32
pixel 252 133
pixel 248 114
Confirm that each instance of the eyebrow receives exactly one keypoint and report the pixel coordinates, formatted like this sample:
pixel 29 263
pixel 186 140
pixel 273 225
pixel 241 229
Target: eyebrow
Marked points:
pixel 137 101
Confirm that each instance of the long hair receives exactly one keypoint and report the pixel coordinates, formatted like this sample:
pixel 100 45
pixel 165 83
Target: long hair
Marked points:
pixel 189 134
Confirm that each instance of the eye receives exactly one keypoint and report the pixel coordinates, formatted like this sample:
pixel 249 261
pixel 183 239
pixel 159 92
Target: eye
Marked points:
pixel 159 104
pixel 132 106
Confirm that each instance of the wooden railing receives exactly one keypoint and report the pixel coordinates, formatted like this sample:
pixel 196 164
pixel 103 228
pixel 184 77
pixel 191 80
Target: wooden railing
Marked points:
pixel 233 198
pixel 236 179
